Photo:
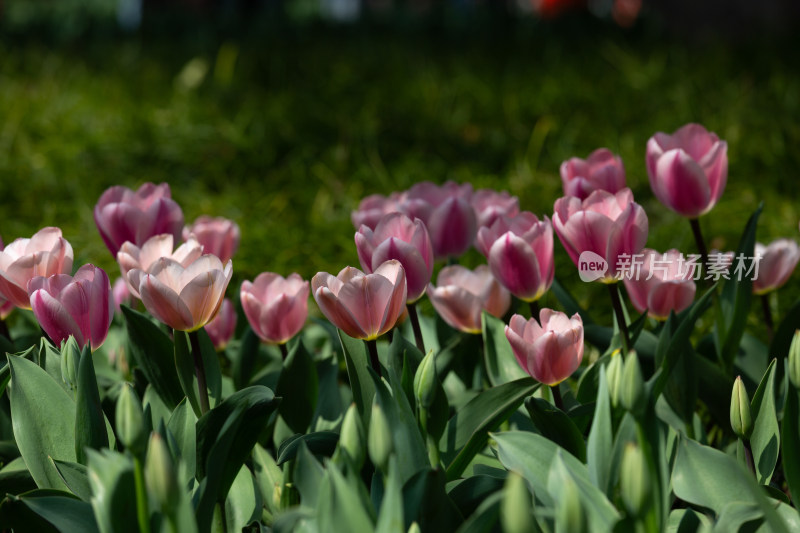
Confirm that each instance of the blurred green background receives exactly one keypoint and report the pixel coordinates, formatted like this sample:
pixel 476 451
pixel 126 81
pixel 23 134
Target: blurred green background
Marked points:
pixel 284 128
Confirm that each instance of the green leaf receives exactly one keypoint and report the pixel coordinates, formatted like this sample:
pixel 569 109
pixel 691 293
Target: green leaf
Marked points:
pixel 15 480
pixel 765 439
pixel 390 517
pixel 501 364
pixel 485 517
pixel 182 427
pixel 243 503
pixel 569 303
pixel 554 424
pixel 468 430
pixel 113 494
pixel 90 422
pixel 790 442
pixel 269 477
pixel 308 474
pixel 184 364
pixel 75 477
pixel 426 502
pixel 340 506
pixel 318 443
pixel 785 332
pixel 245 361
pixel 66 513
pixel 599 445
pixel 357 362
pixel 298 386
pixel 468 493
pixel 211 366
pixel 330 410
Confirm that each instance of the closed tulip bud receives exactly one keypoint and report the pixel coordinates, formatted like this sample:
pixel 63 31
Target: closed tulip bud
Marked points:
pixel 221 328
pixel 414 528
pixel 631 388
pixel 379 438
pixel 217 235
pixel 160 476
pixel 352 436
pixel 614 376
pixel 374 207
pixel 741 418
pixel 70 357
pixel 276 307
pixel 635 483
pixel 425 381
pixel 601 170
pixel 129 420
pixel 794 360
pixel 570 515
pixel 516 508
pixel 489 205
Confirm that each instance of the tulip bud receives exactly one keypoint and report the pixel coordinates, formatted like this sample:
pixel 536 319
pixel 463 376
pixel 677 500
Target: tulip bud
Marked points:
pixel 515 509
pixel 794 360
pixel 159 474
pixel 570 515
pixel 351 437
pixel 379 439
pixel 414 528
pixel 631 388
pixel 614 376
pixel 741 419
pixel 634 480
pixel 425 381
pixel 70 357
pixel 130 420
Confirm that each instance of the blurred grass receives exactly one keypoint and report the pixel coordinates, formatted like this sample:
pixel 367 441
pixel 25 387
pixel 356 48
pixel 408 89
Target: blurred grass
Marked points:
pixel 286 132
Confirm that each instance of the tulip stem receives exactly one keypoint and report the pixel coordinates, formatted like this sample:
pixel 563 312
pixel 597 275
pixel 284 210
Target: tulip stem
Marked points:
pixel 748 455
pixel 199 371
pixel 623 326
pixel 768 322
pixel 701 243
pixel 372 347
pixel 412 315
pixel 284 351
pixel 142 514
pixel 557 400
pixel 534 305
pixel 4 330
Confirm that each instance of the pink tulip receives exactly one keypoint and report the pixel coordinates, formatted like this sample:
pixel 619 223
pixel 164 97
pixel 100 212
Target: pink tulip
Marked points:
pixel 124 215
pixel 276 307
pixel 398 237
pixel 776 264
pixel 373 208
pixel 365 306
pixel 121 293
pixel 219 236
pixel 688 169
pixel 45 254
pixel 607 224
pixel 601 170
pixel 549 352
pixel 81 306
pixel 520 254
pixel 132 257
pixel 661 283
pixel 490 204
pixel 221 328
pixel 461 295
pixel 184 298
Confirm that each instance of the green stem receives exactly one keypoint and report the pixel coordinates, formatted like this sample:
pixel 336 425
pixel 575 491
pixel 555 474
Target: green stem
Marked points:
pixel 701 243
pixel 142 514
pixel 623 326
pixel 534 305
pixel 557 400
pixel 284 351
pixel 372 347
pixel 412 315
pixel 748 456
pixel 768 321
pixel 199 371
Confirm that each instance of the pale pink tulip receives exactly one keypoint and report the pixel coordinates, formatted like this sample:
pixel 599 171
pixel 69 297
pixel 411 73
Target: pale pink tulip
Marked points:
pixel 276 307
pixel 661 283
pixel 549 352
pixel 121 293
pixel 688 170
pixel 607 224
pixel 219 236
pixel 776 264
pixel 490 204
pixel 184 298
pixel 221 328
pixel 601 170
pixel 132 257
pixel 373 208
pixel 461 295
pixel 124 215
pixel 398 237
pixel 365 306
pixel 81 306
pixel 45 254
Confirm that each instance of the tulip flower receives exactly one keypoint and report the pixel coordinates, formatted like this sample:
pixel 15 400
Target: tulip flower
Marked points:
pixel 776 263
pixel 218 236
pixel 81 306
pixel 688 170
pixel 373 208
pixel 662 284
pixel 549 352
pixel 184 298
pixel 607 224
pixel 124 215
pixel 121 293
pixel 221 328
pixel 461 295
pixel 601 170
pixel 520 254
pixel 132 257
pixel 45 254
pixel 276 307
pixel 396 236
pixel 490 204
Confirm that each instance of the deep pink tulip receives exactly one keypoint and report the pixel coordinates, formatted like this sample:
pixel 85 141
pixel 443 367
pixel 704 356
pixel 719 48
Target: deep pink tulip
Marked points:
pixel 365 306
pixel 688 170
pixel 124 215
pixel 131 256
pixel 604 223
pixel 219 236
pixel 601 170
pixel 373 208
pixel 549 352
pixel 490 204
pixel 461 295
pixel 776 264
pixel 221 328
pixel 121 293
pixel 45 254
pixel 276 307
pixel 81 306
pixel 184 298
pixel 398 237
pixel 670 286
pixel 520 254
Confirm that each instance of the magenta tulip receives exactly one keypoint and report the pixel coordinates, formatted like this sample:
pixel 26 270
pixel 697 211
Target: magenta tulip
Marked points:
pixel 776 264
pixel 121 293
pixel 81 306
pixel 184 298
pixel 601 170
pixel 549 352
pixel 132 257
pixel 276 307
pixel 489 205
pixel 660 283
pixel 688 170
pixel 217 235
pixel 373 208
pixel 221 328
pixel 364 306
pixel 398 237
pixel 607 224
pixel 124 215
pixel 45 254
pixel 461 295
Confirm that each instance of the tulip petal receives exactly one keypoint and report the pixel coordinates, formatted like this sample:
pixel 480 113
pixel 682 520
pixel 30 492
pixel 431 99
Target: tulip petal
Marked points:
pixel 54 318
pixel 338 314
pixel 164 303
